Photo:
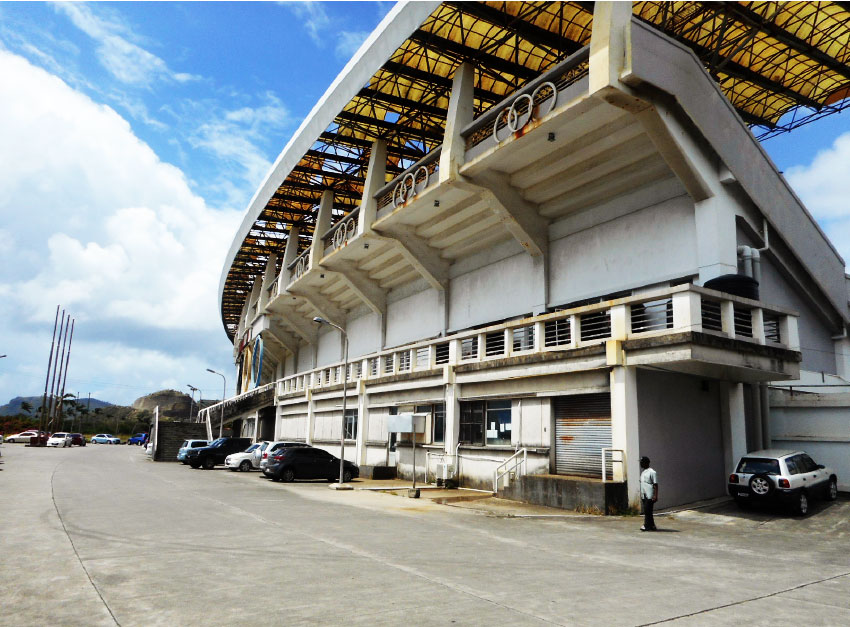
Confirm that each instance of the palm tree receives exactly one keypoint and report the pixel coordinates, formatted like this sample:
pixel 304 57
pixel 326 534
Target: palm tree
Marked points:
pixel 26 407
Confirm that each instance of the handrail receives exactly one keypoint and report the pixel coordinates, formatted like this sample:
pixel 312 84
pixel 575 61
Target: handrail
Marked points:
pixel 351 214
pixel 292 264
pixel 429 158
pixel 489 117
pixel 497 474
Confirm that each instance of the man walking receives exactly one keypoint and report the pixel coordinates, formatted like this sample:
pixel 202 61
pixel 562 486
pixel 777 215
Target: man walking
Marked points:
pixel 648 493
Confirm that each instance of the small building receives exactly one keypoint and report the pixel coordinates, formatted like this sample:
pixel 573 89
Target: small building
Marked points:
pixel 549 229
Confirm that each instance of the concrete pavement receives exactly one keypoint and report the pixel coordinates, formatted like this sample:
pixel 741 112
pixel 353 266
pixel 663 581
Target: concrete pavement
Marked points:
pixel 101 535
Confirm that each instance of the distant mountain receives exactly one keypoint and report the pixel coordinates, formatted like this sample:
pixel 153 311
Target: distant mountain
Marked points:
pixel 13 407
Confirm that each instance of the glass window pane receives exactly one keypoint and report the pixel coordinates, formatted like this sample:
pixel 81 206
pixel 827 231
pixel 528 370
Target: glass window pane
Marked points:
pixel 498 427
pixel 439 423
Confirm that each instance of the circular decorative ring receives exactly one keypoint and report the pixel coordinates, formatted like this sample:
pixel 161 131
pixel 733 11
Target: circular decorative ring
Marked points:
pixel 257 361
pixel 554 89
pixel 514 117
pixel 404 191
pixel 496 123
pixel 424 183
pixel 300 267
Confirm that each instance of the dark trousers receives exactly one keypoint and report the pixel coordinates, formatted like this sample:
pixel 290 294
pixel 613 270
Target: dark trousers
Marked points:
pixel 648 521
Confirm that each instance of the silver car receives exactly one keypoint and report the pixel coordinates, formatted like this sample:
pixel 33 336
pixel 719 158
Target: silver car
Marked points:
pixel 790 477
pixel 187 444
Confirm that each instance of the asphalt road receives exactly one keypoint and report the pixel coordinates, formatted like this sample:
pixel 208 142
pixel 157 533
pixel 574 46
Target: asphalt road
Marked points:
pixel 102 536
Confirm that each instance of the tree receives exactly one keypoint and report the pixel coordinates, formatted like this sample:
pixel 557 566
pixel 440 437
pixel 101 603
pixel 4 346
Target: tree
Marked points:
pixel 26 407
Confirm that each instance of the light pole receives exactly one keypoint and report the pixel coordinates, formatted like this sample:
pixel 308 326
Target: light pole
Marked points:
pixel 192 402
pixel 223 394
pixel 319 320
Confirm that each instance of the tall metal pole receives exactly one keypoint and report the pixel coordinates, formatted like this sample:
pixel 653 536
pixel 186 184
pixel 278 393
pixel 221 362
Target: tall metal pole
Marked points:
pixel 56 367
pixel 65 378
pixel 223 395
pixel 42 414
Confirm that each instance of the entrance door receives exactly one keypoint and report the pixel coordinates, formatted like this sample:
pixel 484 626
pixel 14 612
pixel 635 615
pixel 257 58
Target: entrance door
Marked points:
pixel 582 430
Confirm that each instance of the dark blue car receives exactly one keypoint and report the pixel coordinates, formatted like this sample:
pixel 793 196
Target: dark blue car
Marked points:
pixel 139 438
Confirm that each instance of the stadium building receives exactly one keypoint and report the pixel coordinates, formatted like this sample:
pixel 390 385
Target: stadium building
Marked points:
pixel 548 230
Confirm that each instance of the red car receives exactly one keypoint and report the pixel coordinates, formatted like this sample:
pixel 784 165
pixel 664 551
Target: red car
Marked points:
pixel 77 439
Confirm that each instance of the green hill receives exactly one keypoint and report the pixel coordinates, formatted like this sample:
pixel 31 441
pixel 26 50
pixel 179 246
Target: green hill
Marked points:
pixel 13 407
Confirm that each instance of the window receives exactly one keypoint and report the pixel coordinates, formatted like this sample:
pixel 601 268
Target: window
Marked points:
pixel 442 353
pixel 423 357
pixel 523 338
pixel 486 422
pixel 438 420
pixel 350 424
pixel 469 348
pixel 404 361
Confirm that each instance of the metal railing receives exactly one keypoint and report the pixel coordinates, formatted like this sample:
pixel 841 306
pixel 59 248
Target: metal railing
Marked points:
pixel 534 100
pixel 508 468
pixel 341 232
pixel 678 309
pixel 414 180
pixel 300 265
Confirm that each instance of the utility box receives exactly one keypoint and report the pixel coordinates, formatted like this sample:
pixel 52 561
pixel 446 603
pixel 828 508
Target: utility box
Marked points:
pixel 406 423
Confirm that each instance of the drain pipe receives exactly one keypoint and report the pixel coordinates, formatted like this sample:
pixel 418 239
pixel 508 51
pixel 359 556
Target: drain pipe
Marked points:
pixel 745 253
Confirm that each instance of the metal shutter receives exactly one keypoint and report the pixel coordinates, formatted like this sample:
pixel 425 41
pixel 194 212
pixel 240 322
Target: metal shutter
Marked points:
pixel 582 429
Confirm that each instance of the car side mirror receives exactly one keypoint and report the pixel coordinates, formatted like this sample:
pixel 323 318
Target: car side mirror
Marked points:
pixel 821 466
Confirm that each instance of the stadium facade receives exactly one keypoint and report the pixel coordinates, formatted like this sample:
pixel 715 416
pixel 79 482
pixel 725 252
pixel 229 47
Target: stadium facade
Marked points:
pixel 548 229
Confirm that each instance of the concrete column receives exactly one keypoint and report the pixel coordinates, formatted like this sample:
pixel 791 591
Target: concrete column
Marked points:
pixel 687 311
pixel 323 223
pixel 732 423
pixel 269 276
pixel 758 325
pixel 311 417
pixel 717 252
pixel 727 317
pixel 460 114
pixel 362 423
pixel 452 417
pixel 624 428
pixel 788 332
pixel 620 322
pixel 278 422
pixel 610 44
pixel 290 253
pixel 842 357
pixel 376 177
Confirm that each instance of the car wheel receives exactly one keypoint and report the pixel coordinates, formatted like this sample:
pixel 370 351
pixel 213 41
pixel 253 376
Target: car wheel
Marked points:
pixel 195 465
pixel 832 490
pixel 288 475
pixel 245 466
pixel 209 463
pixel 802 505
pixel 346 476
pixel 761 486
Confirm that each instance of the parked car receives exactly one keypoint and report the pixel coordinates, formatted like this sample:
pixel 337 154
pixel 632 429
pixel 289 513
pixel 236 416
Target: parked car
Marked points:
pixel 215 453
pixel 78 439
pixel 139 439
pixel 276 446
pixel 23 436
pixel 307 462
pixel 243 461
pixel 187 444
pixel 105 438
pixel 790 477
pixel 59 439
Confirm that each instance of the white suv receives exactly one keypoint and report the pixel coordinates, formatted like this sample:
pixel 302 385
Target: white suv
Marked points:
pixel 776 475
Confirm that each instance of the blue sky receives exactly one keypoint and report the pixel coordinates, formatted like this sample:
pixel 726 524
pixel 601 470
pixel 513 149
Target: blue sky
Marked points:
pixel 133 137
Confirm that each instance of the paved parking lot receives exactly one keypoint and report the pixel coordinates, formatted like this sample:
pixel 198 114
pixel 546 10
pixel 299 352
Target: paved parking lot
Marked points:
pixel 102 536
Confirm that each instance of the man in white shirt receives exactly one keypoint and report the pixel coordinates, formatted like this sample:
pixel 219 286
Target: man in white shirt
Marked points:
pixel 648 493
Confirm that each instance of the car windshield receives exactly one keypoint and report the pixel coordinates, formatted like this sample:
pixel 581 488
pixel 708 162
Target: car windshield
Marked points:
pixel 253 447
pixel 219 442
pixel 199 443
pixel 753 465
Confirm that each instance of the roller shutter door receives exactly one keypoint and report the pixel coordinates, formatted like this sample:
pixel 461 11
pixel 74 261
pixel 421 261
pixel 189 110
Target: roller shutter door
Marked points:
pixel 582 430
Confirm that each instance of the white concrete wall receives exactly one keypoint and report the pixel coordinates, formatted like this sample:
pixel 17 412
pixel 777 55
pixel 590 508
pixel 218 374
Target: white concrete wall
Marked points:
pixel 647 246
pixel 679 430
pixel 364 335
pixel 293 428
pixel 327 425
pixel 377 428
pixel 330 347
pixel 414 318
pixel 305 357
pixel 500 290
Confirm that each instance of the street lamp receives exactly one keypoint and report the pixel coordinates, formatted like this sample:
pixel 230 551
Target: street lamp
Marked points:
pixel 223 394
pixel 192 402
pixel 319 320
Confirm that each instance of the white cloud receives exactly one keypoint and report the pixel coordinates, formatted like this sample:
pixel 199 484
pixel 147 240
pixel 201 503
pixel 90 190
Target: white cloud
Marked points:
pixel 90 217
pixel 822 186
pixel 314 18
pixel 124 59
pixel 348 43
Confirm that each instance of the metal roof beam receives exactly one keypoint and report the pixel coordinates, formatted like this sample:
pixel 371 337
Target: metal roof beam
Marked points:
pixel 441 81
pixel 398 101
pixel 327 173
pixel 752 18
pixel 528 31
pixel 441 44
pixel 394 150
pixel 391 127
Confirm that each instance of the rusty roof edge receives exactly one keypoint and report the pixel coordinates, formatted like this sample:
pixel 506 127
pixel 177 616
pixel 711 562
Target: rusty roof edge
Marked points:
pixel 404 18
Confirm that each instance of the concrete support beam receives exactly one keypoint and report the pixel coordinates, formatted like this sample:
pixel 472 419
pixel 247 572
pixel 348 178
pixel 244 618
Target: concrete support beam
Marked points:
pixel 322 304
pixel 624 429
pixel 376 176
pixel 519 217
pixel 290 254
pixel 367 290
pixel 362 423
pixel 424 258
pixel 269 275
pixel 307 332
pixel 733 424
pixel 311 417
pixel 611 54
pixel 459 115
pixel 842 357
pixel 452 419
